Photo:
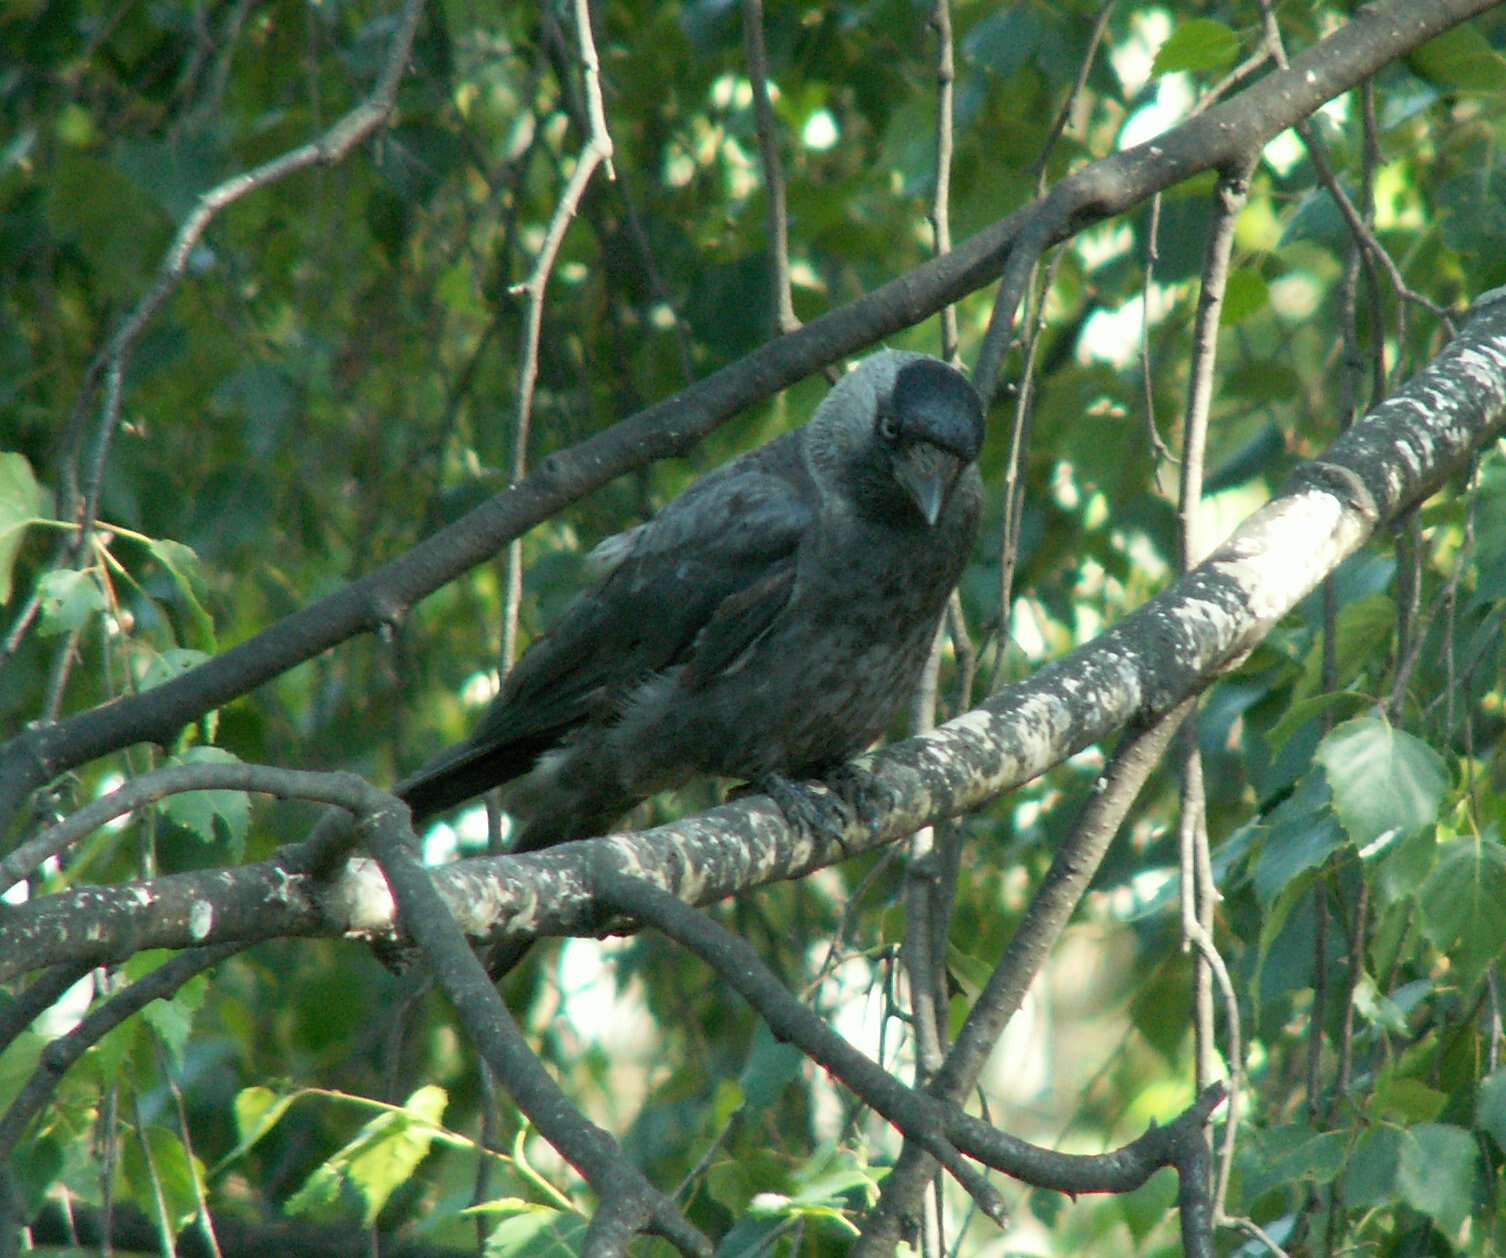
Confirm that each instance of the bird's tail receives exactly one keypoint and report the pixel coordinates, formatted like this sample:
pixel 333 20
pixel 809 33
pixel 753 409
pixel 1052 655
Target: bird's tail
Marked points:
pixel 461 772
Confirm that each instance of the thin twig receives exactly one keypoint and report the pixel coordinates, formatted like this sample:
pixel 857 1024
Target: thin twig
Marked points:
pixel 1159 448
pixel 596 151
pixel 1051 907
pixel 782 302
pixel 343 790
pixel 1064 114
pixel 1375 252
pixel 329 148
pixel 941 201
pixel 1198 892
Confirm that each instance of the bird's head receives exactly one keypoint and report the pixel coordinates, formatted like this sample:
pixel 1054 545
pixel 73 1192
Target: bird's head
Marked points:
pixel 929 427
pixel 903 427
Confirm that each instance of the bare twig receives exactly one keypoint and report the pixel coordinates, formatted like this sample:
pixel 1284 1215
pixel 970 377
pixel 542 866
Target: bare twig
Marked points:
pixel 773 169
pixel 1375 253
pixel 941 202
pixel 931 1121
pixel 1064 114
pixel 1159 449
pixel 1198 893
pixel 326 150
pixel 343 790
pixel 1012 517
pixel 596 151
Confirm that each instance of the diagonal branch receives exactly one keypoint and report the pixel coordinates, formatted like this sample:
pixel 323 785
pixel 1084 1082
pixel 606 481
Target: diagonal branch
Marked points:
pixel 629 1203
pixel 1148 663
pixel 938 1124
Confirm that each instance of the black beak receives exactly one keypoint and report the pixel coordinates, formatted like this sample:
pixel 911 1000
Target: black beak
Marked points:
pixel 928 473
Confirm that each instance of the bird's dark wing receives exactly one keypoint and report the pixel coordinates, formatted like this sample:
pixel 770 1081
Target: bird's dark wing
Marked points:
pixel 696 585
pixel 738 622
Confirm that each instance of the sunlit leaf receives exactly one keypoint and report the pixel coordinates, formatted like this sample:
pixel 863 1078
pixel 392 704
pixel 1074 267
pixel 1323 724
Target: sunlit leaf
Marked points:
pixel 378 1161
pixel 1461 904
pixel 1460 58
pixel 20 501
pixel 1383 779
pixel 1199 44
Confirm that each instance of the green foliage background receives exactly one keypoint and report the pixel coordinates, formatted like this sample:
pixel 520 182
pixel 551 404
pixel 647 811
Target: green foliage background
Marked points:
pixel 338 375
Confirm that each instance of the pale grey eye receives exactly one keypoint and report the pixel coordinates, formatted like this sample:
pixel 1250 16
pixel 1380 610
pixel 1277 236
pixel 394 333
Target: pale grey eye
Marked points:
pixel 888 427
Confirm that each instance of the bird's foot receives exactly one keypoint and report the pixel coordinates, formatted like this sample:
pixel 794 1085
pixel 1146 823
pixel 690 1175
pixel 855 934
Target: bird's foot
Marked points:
pixel 818 811
pixel 854 787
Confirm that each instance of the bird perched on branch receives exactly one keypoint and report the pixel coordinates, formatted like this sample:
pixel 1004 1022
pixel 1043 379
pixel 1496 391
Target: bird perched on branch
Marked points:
pixel 765 625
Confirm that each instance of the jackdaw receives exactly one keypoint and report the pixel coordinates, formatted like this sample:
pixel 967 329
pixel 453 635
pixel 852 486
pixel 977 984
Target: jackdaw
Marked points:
pixel 764 626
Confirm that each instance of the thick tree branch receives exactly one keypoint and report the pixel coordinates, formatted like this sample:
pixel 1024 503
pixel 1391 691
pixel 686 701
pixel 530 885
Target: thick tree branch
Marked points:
pixel 1149 662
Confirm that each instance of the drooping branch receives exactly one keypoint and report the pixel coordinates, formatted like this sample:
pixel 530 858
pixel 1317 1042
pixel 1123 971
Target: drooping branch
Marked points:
pixel 629 1203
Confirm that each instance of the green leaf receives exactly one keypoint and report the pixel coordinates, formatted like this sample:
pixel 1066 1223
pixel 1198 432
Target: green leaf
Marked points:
pixel 163 666
pixel 1474 215
pixel 1406 1100
pixel 1490 1107
pixel 197 811
pixel 170 1171
pixel 1404 866
pixel 1287 1155
pixel 1436 1173
pixel 1159 1009
pixel 1201 44
pixel 771 1066
pixel 257 1110
pixel 1303 834
pixel 537 1232
pixel 1383 779
pixel 112 1056
pixel 36 1166
pixel 1460 58
pixel 75 127
pixel 1317 219
pixel 20 503
pixel 69 599
pixel 1304 710
pixel 182 564
pixel 172 1019
pixel 1370 1177
pixel 1246 294
pixel 1380 1010
pixel 1362 635
pixel 1273 923
pixel 18 1061
pixel 730 1185
pixel 262 396
pixel 971 972
pixel 1005 40
pixel 1461 904
pixel 381 1158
